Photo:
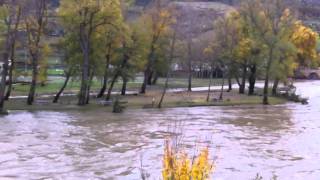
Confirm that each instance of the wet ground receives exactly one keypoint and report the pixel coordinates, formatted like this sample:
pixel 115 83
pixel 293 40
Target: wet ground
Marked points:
pixel 281 141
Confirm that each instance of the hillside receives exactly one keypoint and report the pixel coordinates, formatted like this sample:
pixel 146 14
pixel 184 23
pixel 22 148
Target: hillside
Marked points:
pixel 146 2
pixel 196 18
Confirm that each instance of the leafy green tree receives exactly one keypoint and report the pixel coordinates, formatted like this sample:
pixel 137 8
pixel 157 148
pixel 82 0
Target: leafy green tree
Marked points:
pixel 110 42
pixel 87 18
pixel 35 22
pixel 130 56
pixel 10 15
pixel 227 37
pixel 271 24
pixel 71 54
pixel 158 20
pixel 17 21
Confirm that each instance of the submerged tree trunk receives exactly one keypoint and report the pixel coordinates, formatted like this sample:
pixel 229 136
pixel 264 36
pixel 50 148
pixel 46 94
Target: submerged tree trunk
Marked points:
pixel 252 79
pixel 275 86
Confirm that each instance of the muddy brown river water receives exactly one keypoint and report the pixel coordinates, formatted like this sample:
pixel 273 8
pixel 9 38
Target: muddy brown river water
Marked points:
pixel 281 141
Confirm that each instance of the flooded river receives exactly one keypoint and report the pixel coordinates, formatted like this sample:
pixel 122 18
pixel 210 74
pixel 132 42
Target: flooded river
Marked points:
pixel 281 141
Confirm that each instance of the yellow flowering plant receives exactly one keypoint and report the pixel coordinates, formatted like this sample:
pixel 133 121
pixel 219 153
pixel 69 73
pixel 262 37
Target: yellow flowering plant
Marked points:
pixel 178 166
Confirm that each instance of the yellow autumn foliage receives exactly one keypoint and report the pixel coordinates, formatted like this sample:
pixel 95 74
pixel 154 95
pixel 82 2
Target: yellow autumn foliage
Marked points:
pixel 305 40
pixel 244 48
pixel 178 166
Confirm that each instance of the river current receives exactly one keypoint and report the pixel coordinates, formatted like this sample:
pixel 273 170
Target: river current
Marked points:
pixel 275 141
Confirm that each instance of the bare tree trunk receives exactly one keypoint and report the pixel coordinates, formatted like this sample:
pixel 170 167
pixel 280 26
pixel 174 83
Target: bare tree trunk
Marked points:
pixel 104 86
pixel 148 70
pixel 34 38
pixel 84 81
pixel 117 74
pixel 172 49
pixel 209 88
pixel 229 84
pixel 113 81
pixel 243 80
pixel 124 86
pixel 252 79
pixel 155 78
pixel 150 78
pixel 85 46
pixel 10 81
pixel 89 87
pixel 105 77
pixel 4 71
pixel 32 90
pixel 222 88
pixel 12 54
pixel 164 89
pixel 275 86
pixel 66 81
pixel 266 82
pixel 189 67
pixel 145 81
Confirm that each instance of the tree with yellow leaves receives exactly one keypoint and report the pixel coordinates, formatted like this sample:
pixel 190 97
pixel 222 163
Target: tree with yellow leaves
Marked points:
pixel 228 34
pixel 271 23
pixel 158 19
pixel 305 40
pixel 302 53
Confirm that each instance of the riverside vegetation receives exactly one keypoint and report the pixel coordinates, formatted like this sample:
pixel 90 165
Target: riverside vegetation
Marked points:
pixel 99 42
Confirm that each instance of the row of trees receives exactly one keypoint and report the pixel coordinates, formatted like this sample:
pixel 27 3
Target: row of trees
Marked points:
pixel 112 46
pixel 29 17
pixel 262 39
pixel 100 40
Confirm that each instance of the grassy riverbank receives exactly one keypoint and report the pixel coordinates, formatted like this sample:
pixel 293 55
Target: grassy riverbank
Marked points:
pixel 172 99
pixel 55 84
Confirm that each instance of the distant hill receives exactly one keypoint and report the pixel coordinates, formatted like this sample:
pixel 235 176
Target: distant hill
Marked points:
pixel 146 2
pixel 197 18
